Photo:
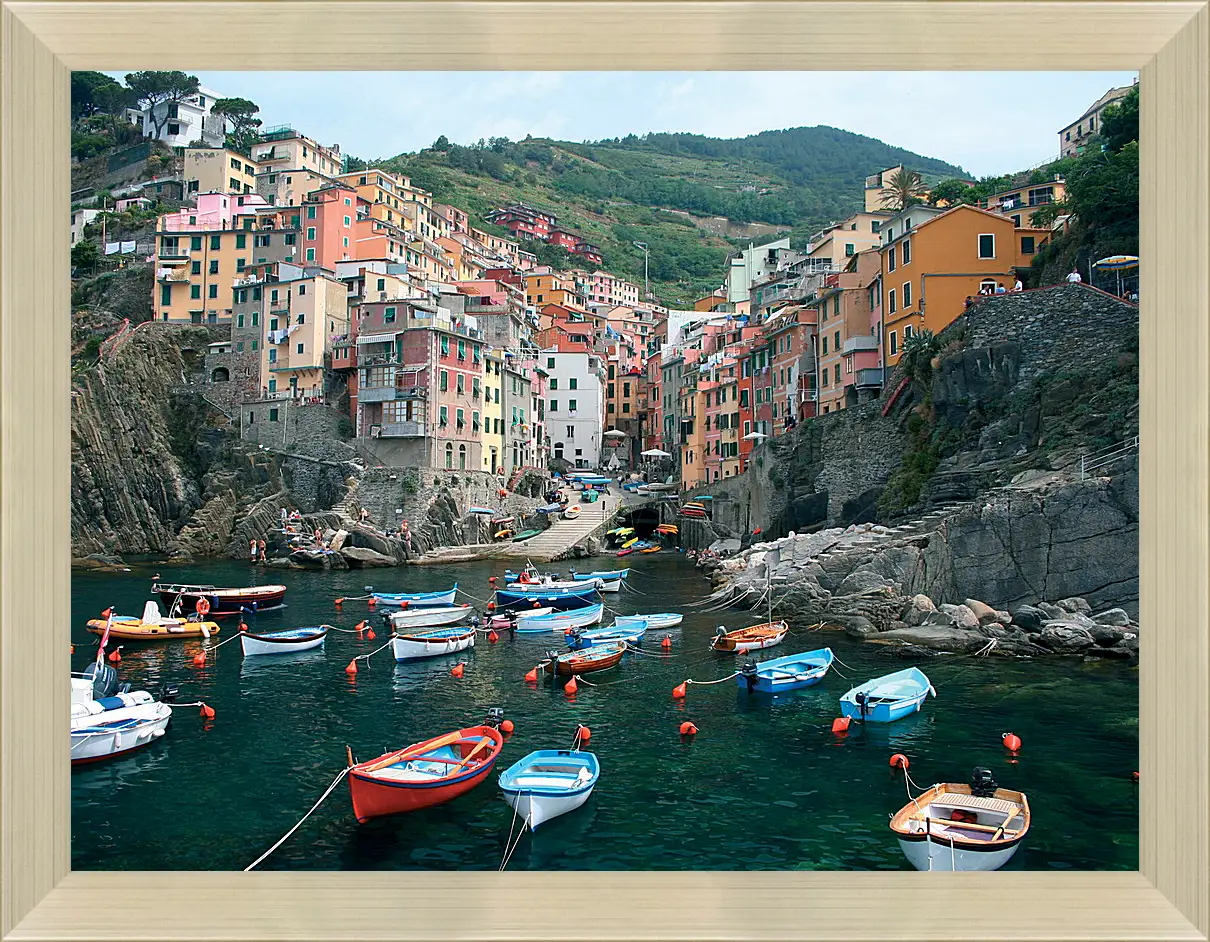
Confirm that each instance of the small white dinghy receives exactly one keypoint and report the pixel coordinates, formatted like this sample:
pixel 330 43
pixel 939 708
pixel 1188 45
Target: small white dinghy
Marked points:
pixel 963 827
pixel 431 642
pixel 106 721
pixel 283 642
pixel 548 783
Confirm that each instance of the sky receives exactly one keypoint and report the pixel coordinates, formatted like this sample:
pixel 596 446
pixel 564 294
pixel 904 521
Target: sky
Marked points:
pixel 989 123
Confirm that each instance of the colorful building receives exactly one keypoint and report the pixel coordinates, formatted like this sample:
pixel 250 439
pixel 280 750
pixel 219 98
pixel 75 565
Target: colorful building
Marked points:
pixel 933 260
pixel 218 170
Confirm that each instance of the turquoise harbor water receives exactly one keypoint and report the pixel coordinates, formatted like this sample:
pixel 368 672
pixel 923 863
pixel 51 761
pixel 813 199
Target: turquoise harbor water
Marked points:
pixel 765 785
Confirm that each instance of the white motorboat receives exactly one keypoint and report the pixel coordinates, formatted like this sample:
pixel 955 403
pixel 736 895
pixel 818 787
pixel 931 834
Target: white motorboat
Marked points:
pixel 107 721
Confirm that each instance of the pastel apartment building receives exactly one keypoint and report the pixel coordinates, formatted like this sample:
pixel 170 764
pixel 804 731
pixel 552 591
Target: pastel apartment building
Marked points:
pixel 934 259
pixel 217 170
pixel 283 148
pixel 1074 138
pixel 575 405
pixel 849 311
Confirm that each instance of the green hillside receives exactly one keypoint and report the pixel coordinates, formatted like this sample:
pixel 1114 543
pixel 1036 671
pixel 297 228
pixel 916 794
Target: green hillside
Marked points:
pixel 667 190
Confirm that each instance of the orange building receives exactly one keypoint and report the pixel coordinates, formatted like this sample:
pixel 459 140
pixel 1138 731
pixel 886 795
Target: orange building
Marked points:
pixel 934 259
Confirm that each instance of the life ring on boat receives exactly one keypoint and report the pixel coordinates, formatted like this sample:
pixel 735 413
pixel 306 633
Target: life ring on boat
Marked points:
pixel 202 607
pixel 524 578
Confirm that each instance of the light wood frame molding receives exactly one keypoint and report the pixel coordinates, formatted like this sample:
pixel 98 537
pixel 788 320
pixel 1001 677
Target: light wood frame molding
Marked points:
pixel 1168 899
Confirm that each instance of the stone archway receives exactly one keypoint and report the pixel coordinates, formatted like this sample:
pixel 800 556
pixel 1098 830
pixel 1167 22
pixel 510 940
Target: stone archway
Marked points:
pixel 220 374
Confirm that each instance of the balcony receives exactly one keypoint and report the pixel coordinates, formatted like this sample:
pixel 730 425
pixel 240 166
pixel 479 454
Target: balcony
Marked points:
pixel 376 394
pixel 411 392
pixel 172 274
pixel 400 430
pixel 860 344
pixel 869 378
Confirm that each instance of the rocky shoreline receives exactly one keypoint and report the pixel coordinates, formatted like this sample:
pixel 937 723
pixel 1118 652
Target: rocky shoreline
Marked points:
pixel 864 579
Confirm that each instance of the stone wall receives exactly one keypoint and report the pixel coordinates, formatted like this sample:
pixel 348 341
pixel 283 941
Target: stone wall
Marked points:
pixel 1058 329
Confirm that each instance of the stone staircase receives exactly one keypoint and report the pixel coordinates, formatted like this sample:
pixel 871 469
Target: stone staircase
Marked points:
pixel 564 534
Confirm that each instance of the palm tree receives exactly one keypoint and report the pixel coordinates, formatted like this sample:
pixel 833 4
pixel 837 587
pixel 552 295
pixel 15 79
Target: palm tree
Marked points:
pixel 902 189
pixel 918 352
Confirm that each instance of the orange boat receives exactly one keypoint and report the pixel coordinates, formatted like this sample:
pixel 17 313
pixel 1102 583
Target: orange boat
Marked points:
pixel 750 639
pixel 597 658
pixel 424 774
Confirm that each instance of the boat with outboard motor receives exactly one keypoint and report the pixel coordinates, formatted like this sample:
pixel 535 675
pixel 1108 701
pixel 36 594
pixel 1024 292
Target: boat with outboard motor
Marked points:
pixel 749 639
pixel 888 698
pixel 963 827
pixel 428 617
pixel 109 719
pixel 781 674
pixel 410 645
pixel 570 619
pixel 599 657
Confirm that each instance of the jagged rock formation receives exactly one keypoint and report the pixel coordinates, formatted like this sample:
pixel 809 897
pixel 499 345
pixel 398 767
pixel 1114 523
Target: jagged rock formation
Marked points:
pixel 138 450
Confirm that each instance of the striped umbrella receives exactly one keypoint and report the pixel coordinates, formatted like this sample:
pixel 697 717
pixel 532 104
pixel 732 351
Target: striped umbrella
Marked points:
pixel 1117 262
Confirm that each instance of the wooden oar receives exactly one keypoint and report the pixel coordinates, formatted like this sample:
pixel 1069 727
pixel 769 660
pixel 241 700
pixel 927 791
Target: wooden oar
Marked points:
pixel 1005 822
pixel 485 741
pixel 411 752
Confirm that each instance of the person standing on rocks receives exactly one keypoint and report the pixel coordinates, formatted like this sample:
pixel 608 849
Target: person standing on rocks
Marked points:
pixel 252 550
pixel 261 548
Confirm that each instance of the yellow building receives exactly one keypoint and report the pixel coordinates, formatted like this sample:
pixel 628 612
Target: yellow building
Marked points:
pixel 692 434
pixel 493 411
pixel 284 148
pixel 835 245
pixel 300 316
pixel 289 187
pixel 545 287
pixel 218 170
pixel 383 191
pixel 1020 203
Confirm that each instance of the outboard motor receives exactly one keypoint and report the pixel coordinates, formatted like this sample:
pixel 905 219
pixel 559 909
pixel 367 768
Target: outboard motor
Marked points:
pixel 104 679
pixel 720 631
pixel 495 716
pixel 983 783
pixel 748 672
pixel 862 705
pixel 575 640
pixel 168 693
pixel 386 622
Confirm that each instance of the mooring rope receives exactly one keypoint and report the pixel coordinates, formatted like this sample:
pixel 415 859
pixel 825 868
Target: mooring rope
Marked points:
pixel 285 837
pixel 520 834
pixel 707 683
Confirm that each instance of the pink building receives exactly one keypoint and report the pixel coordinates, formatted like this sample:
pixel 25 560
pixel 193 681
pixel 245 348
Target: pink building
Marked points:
pixel 213 211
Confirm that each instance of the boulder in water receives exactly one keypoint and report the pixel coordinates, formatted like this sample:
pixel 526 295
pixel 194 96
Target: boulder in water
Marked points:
pixel 359 557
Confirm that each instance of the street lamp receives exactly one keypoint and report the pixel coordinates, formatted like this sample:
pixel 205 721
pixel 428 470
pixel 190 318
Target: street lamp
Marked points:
pixel 643 246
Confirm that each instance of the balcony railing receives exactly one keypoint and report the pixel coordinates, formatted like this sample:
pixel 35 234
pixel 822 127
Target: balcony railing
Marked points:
pixel 376 394
pixel 860 344
pixel 869 378
pixel 401 430
pixel 172 274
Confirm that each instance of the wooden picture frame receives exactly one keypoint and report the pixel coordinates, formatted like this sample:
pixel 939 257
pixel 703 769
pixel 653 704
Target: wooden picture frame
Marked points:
pixel 1169 898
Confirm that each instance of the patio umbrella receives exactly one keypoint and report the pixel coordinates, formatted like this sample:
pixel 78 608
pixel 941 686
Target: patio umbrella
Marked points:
pixel 614 433
pixel 754 436
pixel 1118 264
pixel 655 453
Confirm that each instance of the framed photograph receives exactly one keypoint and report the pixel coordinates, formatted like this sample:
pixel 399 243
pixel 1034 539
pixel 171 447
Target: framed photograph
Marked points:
pixel 806 361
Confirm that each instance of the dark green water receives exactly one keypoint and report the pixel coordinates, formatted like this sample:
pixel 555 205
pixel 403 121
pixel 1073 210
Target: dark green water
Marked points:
pixel 765 785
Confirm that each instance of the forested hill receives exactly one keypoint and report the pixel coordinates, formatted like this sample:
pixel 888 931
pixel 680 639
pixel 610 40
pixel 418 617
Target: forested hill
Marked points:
pixel 667 190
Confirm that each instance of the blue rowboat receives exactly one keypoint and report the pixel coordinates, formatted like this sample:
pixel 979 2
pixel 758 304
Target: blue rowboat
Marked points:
pixel 658 620
pixel 548 783
pixel 887 698
pixel 785 673
pixel 561 621
pixel 414 599
pixel 607 575
pixel 554 598
pixel 614 632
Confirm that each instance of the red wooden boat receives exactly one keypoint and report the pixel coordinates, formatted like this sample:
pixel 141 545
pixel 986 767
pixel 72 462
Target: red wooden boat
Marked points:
pixel 597 658
pixel 424 774
pixel 184 598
